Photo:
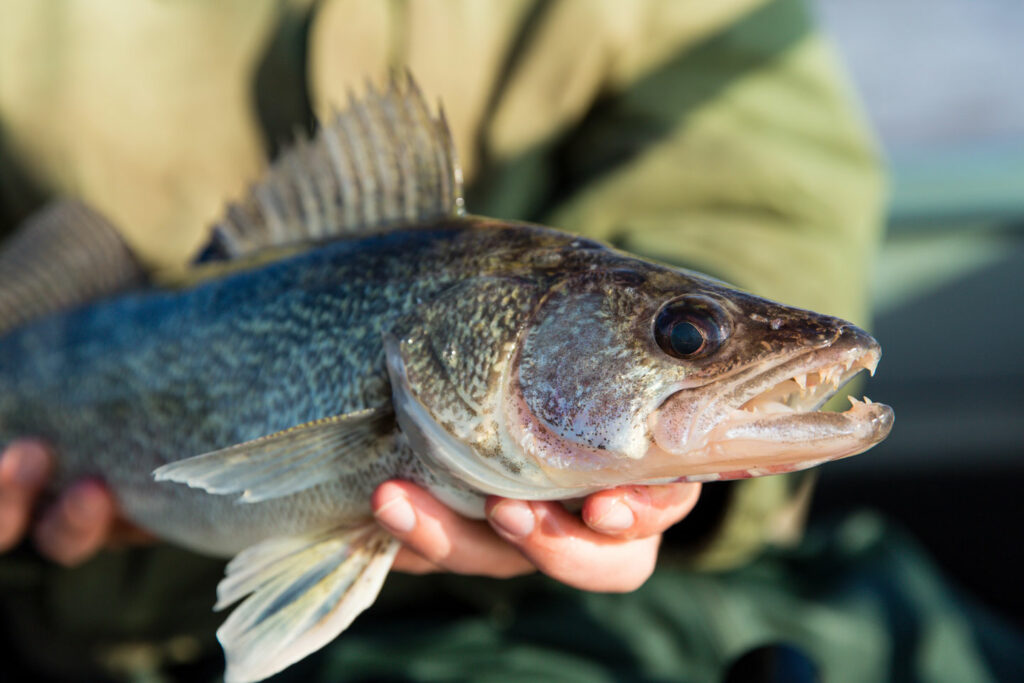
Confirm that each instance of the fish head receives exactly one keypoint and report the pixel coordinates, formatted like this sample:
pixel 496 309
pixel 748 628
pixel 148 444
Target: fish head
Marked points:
pixel 571 368
pixel 638 373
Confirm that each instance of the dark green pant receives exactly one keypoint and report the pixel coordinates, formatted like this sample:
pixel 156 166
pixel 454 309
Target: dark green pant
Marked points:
pixel 857 597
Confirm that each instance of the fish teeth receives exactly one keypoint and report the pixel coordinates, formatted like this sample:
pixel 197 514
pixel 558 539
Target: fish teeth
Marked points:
pixel 801 381
pixel 871 362
pixel 830 375
pixel 868 400
pixel 853 400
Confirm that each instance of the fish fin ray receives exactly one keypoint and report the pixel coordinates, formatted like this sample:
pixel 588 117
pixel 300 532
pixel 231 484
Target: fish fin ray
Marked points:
pixel 64 255
pixel 288 461
pixel 302 592
pixel 385 162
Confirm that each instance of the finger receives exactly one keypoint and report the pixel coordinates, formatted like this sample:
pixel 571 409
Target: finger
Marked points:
pixel 639 511
pixel 442 537
pixel 24 468
pixel 411 562
pixel 566 549
pixel 77 525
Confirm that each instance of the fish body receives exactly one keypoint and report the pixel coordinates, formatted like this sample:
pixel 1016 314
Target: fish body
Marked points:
pixel 126 385
pixel 252 413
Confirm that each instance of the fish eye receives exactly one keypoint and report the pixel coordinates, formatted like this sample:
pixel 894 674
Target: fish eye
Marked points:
pixel 688 328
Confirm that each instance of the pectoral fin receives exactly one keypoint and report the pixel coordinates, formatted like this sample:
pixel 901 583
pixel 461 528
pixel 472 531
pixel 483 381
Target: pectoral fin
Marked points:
pixel 288 461
pixel 303 591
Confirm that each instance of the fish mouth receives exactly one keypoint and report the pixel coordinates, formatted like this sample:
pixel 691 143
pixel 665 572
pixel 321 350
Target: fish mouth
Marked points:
pixel 807 382
pixel 769 421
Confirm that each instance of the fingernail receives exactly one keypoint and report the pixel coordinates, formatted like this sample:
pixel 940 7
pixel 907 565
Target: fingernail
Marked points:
pixel 618 517
pixel 397 515
pixel 514 517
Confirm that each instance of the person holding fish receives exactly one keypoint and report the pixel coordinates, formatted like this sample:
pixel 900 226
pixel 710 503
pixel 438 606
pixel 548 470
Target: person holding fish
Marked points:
pixel 705 138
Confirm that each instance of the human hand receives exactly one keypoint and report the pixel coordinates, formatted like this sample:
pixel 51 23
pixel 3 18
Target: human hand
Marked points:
pixel 611 547
pixel 82 520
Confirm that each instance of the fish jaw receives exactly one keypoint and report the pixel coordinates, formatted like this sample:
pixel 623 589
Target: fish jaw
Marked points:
pixel 768 420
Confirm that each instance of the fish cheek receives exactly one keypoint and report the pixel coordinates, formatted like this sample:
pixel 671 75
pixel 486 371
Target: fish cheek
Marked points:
pixel 585 376
pixel 455 350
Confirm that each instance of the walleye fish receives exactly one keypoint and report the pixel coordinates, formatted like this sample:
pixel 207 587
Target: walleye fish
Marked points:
pixel 350 323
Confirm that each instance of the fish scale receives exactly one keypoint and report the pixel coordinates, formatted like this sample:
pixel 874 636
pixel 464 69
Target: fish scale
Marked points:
pixel 231 360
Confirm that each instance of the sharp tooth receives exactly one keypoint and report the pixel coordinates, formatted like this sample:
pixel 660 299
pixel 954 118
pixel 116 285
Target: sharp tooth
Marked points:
pixel 868 400
pixel 801 381
pixel 871 363
pixel 853 400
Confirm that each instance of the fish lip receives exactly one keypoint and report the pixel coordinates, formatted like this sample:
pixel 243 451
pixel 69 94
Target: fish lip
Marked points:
pixel 852 352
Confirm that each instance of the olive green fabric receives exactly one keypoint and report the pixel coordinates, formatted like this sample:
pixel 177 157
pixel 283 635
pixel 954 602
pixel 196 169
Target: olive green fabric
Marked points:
pixel 719 136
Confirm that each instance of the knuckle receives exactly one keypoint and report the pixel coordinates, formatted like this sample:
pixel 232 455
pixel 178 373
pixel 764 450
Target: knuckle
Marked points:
pixel 434 548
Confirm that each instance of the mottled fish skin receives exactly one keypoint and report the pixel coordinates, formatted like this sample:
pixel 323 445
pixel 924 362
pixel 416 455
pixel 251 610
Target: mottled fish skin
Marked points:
pixel 125 385
pixel 519 361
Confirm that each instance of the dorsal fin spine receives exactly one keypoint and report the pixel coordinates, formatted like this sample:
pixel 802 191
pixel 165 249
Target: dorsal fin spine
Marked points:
pixel 451 174
pixel 306 187
pixel 340 163
pixel 366 176
pixel 382 153
pixel 265 197
pixel 384 162
pixel 395 156
pixel 422 122
pixel 369 178
pixel 405 156
pixel 324 184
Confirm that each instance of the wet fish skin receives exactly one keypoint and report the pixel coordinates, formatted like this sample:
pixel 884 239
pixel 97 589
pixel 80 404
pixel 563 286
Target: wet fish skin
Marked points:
pixel 126 385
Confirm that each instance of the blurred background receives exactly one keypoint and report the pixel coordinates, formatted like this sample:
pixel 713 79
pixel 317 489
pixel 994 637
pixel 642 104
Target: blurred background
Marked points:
pixel 941 82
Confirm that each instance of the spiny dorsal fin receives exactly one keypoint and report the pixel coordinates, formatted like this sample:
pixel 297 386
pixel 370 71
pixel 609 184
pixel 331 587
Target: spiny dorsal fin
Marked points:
pixel 385 161
pixel 64 255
